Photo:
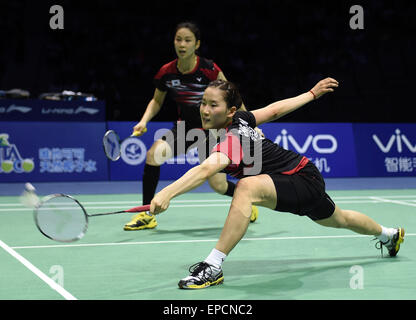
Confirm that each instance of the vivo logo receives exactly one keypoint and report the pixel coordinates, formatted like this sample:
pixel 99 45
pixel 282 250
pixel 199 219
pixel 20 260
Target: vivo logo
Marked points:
pixel 396 139
pixel 321 143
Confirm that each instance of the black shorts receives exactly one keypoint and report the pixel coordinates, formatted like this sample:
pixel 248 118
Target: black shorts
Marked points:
pixel 181 140
pixel 303 193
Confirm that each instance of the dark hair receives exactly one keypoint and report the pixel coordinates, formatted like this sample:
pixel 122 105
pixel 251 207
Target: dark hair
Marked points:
pixel 231 93
pixel 191 26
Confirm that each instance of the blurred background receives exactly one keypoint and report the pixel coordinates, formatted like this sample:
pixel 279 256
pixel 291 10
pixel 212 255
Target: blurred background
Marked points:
pixel 271 49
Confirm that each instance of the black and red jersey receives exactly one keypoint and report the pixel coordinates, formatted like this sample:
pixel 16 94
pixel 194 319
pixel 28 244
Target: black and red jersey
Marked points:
pixel 252 154
pixel 187 89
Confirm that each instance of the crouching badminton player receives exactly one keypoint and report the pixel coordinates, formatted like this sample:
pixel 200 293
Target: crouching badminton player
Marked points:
pixel 286 181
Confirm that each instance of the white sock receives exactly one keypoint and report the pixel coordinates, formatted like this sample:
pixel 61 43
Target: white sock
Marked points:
pixel 216 258
pixel 386 234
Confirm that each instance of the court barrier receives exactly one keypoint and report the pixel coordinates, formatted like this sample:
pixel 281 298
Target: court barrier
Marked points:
pixel 337 149
pixel 60 150
pixel 46 140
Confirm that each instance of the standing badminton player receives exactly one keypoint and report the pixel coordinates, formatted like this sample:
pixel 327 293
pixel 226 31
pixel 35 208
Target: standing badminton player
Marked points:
pixel 185 80
pixel 287 181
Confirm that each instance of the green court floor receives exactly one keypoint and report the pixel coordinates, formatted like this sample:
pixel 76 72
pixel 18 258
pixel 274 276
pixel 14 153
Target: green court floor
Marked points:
pixel 282 256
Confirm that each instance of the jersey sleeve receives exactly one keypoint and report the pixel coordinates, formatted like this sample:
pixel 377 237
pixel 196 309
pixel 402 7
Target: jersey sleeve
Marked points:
pixel 159 83
pixel 210 69
pixel 245 117
pixel 217 68
pixel 158 79
pixel 231 147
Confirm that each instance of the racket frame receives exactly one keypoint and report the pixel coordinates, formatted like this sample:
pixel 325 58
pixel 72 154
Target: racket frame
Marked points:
pixel 56 195
pixel 105 137
pixel 108 132
pixel 144 208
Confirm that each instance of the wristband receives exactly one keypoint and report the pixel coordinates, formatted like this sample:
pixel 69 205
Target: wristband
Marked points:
pixel 314 97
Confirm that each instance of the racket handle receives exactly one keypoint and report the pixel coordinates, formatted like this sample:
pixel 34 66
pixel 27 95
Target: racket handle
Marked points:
pixel 139 208
pixel 137 133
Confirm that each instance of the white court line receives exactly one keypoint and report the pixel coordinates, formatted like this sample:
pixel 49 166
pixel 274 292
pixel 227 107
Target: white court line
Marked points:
pixel 394 201
pixel 191 241
pixel 335 198
pixel 370 196
pixel 225 203
pixel 55 286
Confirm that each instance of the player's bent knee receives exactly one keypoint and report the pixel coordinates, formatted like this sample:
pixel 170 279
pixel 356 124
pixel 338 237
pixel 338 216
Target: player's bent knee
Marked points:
pixel 243 186
pixel 150 158
pixel 158 154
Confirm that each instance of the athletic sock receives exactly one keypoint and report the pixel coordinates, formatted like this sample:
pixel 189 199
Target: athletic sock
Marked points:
pixel 386 234
pixel 230 189
pixel 150 180
pixel 216 258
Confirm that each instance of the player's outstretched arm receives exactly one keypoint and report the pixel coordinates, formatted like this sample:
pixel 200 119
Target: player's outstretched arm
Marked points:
pixel 192 179
pixel 152 110
pixel 280 108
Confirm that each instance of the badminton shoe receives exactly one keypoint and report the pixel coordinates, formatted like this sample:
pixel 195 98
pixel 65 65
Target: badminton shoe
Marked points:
pixel 202 275
pixel 254 213
pixel 141 221
pixel 393 245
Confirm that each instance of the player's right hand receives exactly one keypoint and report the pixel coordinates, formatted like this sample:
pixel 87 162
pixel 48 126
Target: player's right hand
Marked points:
pixel 159 203
pixel 139 129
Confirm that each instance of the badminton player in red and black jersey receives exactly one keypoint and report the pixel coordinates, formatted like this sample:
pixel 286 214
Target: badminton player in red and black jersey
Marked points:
pixel 283 180
pixel 184 80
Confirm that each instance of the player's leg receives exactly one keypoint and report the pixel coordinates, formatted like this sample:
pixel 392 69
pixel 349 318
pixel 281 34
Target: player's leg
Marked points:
pixel 259 190
pixel 158 154
pixel 221 185
pixel 362 224
pixel 352 220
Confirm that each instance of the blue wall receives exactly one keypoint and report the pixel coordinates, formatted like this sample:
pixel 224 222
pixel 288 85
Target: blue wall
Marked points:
pixel 72 151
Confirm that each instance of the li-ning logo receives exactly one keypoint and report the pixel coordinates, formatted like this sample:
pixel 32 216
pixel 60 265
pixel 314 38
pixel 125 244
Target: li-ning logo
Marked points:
pixel 284 140
pixel 86 110
pixel 400 139
pixel 69 111
pixel 14 107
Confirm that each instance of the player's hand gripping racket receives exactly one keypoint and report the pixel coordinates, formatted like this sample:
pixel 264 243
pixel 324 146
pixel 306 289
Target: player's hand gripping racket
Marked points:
pixel 61 217
pixel 112 144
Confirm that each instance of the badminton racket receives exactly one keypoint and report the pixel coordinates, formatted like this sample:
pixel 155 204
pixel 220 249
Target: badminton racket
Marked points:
pixel 112 144
pixel 61 217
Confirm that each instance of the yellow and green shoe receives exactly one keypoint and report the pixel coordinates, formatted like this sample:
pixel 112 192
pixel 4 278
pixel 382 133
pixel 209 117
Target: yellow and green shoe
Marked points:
pixel 394 245
pixel 141 221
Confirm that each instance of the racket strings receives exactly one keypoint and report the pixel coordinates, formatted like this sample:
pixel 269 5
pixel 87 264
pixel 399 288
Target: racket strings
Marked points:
pixel 61 218
pixel 111 144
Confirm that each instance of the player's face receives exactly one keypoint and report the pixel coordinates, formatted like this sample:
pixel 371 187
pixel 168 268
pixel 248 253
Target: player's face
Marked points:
pixel 213 109
pixel 185 43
